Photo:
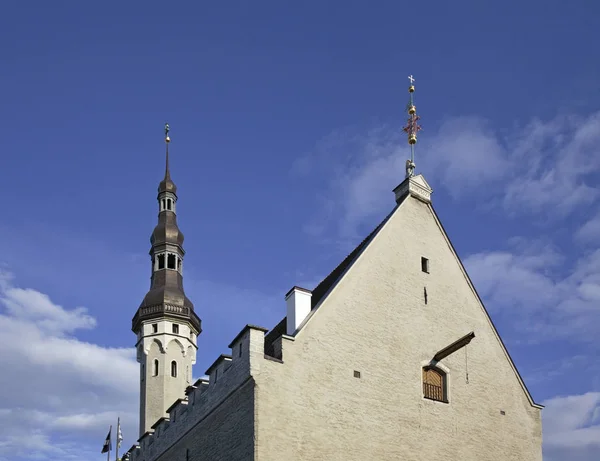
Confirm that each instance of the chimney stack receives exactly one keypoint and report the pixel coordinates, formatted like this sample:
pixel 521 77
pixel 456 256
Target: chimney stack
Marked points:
pixel 298 302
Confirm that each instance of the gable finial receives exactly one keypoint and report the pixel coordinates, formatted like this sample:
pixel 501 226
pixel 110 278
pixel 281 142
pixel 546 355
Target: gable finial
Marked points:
pixel 412 128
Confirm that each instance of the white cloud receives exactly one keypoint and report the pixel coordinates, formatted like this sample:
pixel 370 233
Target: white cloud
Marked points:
pixel 530 286
pixel 589 231
pixel 571 427
pixel 544 167
pixel 27 305
pixel 57 389
pixel 464 154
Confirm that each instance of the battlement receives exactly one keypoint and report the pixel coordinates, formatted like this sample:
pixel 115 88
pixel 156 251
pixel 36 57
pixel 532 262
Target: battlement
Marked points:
pixel 225 376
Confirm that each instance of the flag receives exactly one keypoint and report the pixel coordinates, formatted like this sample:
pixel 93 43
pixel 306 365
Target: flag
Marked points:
pixel 119 434
pixel 107 446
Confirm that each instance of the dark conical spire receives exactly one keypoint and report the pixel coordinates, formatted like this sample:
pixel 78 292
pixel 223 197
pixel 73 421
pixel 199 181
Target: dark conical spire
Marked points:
pixel 167 184
pixel 166 297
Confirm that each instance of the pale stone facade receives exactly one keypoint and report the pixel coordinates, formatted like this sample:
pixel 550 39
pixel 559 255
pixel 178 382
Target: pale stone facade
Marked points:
pixel 347 384
pixel 161 382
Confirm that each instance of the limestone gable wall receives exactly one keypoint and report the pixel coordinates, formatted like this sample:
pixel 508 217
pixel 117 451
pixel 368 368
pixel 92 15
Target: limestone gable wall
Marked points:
pixel 376 322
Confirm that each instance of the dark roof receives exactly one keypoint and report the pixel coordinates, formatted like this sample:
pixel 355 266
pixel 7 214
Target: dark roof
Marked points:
pixel 145 434
pixel 167 184
pixel 323 288
pixel 216 363
pixel 246 328
pixel 190 389
pixel 177 402
pixel 160 420
pixel 200 381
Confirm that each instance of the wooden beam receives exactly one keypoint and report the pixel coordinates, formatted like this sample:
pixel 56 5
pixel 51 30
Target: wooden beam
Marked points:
pixel 452 348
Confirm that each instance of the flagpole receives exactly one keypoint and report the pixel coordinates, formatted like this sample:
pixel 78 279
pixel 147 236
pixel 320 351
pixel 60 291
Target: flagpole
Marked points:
pixel 118 432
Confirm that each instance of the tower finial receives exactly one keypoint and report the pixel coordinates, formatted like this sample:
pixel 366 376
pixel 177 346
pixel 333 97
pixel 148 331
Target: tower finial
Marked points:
pixel 167 141
pixel 412 128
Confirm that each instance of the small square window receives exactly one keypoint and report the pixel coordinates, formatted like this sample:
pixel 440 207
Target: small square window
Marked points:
pixel 356 374
pixel 154 328
pixel 502 412
pixel 175 328
pixel 425 265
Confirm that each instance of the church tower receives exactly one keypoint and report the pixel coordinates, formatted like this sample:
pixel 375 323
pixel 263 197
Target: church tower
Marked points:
pixel 165 323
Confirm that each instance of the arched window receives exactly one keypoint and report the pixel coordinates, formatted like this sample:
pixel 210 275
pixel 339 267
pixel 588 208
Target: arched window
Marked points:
pixel 434 384
pixel 155 369
pixel 174 369
pixel 168 204
pixel 161 261
pixel 171 258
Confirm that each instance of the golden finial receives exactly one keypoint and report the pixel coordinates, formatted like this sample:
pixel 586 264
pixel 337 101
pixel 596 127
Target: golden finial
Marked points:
pixel 412 128
pixel 167 139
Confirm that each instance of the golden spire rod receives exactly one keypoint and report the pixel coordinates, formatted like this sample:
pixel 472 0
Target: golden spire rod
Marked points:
pixel 412 128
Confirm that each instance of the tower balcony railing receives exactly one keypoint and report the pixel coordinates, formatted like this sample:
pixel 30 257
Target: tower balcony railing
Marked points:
pixel 149 312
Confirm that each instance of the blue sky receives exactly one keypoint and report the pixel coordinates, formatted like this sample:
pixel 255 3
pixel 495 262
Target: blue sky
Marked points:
pixel 286 126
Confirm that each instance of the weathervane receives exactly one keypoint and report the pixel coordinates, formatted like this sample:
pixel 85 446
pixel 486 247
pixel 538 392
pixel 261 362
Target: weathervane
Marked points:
pixel 411 128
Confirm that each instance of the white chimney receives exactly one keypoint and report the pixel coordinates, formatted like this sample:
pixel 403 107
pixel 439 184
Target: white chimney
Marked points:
pixel 298 302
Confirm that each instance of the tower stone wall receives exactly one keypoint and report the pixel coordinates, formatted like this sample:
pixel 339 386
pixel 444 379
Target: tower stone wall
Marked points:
pixel 159 389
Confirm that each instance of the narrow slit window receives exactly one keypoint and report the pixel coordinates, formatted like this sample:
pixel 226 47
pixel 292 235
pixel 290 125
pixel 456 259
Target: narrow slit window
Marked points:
pixel 143 371
pixel 168 204
pixel 178 264
pixel 161 261
pixel 216 374
pixel 425 294
pixel 240 352
pixel 174 369
pixel 176 328
pixel 155 369
pixel 425 265
pixel 171 261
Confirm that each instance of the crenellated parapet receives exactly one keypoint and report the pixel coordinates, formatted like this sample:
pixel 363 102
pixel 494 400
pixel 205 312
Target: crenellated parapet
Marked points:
pixel 225 376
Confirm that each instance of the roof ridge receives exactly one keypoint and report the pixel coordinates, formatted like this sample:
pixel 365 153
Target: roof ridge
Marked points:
pixel 321 290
